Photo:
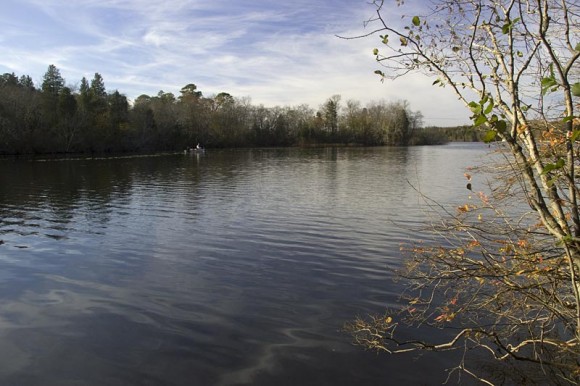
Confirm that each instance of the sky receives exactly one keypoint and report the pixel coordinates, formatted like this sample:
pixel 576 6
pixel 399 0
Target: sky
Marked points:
pixel 277 53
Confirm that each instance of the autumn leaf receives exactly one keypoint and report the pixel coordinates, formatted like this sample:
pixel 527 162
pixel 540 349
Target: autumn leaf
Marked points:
pixel 464 208
pixel 440 318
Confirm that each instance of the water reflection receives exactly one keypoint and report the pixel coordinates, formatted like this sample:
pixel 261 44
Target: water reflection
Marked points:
pixel 234 267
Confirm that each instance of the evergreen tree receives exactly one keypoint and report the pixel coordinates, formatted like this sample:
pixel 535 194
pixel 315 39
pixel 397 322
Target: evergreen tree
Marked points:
pixel 8 79
pixel 52 85
pixel 52 82
pixel 190 92
pixel 98 86
pixel 98 94
pixel 26 82
pixel 85 96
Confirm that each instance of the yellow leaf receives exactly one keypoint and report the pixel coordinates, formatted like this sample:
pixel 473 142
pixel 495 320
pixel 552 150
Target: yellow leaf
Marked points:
pixel 464 208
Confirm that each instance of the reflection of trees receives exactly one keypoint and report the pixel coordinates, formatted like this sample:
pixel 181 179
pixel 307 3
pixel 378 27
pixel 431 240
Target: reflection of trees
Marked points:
pixel 53 195
pixel 64 189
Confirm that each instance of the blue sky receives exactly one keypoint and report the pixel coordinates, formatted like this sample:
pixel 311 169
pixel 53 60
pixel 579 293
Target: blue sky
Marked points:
pixel 276 53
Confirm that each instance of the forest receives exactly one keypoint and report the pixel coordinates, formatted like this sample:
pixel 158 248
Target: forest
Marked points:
pixel 55 117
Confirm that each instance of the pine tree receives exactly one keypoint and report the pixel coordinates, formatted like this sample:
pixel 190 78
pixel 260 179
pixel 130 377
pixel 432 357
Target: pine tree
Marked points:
pixel 26 82
pixel 98 94
pixel 52 82
pixel 98 86
pixel 85 95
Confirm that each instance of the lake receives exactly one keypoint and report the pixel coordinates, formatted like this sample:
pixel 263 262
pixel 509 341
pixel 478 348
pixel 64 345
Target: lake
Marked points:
pixel 231 267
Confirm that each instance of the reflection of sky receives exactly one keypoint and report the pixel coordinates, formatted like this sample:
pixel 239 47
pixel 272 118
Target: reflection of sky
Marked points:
pixel 225 268
pixel 277 53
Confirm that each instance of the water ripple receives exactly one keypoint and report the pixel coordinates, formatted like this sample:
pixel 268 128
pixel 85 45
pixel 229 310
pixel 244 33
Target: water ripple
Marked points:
pixel 232 268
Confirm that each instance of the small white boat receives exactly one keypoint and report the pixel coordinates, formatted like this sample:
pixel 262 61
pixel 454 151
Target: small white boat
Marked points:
pixel 193 150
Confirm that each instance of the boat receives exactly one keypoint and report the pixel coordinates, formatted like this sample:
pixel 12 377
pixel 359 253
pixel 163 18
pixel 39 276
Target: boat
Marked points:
pixel 194 150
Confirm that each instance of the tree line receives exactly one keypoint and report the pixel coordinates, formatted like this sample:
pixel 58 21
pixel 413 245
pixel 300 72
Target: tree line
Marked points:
pixel 60 118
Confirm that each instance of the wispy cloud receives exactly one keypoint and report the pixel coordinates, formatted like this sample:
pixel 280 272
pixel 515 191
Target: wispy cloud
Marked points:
pixel 277 53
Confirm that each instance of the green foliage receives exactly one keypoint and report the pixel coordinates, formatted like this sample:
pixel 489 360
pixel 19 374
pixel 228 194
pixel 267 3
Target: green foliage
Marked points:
pixel 549 83
pixel 507 27
pixel 224 99
pixel 26 81
pixel 481 116
pixel 97 88
pixel 190 91
pixel 551 167
pixel 576 89
pixel 439 135
pixel 52 82
pixel 93 120
pixel 490 136
pixel 575 136
pixel 85 95
pixel 8 80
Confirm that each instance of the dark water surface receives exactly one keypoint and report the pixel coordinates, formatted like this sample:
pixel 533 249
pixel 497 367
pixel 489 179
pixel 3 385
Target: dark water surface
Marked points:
pixel 231 267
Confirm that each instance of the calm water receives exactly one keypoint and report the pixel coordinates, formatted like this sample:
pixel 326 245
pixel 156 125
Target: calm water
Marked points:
pixel 232 267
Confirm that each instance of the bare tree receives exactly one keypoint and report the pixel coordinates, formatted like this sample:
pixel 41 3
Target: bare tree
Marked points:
pixel 507 280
